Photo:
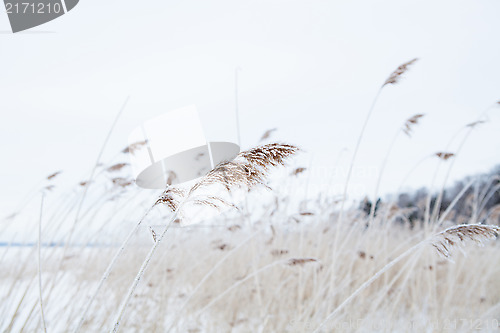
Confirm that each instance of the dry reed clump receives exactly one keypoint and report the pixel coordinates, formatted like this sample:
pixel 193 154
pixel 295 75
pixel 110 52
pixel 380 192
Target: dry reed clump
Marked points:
pixel 249 169
pixel 250 284
pixel 236 278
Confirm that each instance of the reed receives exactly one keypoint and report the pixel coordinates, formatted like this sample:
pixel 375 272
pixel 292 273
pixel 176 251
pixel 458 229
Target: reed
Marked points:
pixel 249 169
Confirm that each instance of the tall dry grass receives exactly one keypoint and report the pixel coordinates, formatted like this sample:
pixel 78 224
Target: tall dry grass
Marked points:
pixel 294 270
pixel 125 263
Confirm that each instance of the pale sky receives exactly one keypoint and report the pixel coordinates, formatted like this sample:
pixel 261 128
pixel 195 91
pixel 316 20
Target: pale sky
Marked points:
pixel 309 68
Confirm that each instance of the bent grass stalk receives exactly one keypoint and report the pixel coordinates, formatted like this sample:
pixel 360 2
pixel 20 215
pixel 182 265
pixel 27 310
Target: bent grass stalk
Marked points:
pixel 487 198
pixel 109 269
pixel 250 168
pixel 140 273
pixel 379 178
pixel 454 202
pixel 407 129
pixel 471 127
pixel 86 186
pixel 392 79
pixel 346 185
pixel 40 265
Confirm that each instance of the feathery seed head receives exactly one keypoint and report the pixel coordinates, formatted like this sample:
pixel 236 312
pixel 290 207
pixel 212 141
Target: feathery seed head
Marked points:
pixel 116 167
pixel 407 129
pixel 444 156
pixel 456 236
pixel 53 175
pixel 134 147
pixel 395 76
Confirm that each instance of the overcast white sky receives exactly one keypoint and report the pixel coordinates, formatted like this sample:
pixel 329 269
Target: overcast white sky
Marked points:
pixel 309 68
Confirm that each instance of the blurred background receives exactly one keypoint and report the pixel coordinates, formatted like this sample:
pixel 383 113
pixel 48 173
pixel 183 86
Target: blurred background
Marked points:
pixel 309 69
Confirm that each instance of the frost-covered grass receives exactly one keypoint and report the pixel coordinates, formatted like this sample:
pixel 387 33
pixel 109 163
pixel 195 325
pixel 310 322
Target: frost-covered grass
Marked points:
pixel 250 276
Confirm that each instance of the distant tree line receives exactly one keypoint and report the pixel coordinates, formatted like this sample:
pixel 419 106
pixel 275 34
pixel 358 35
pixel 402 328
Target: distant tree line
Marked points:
pixel 474 198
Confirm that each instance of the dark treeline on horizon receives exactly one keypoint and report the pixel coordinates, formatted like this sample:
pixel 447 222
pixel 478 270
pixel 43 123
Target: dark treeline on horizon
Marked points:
pixel 479 202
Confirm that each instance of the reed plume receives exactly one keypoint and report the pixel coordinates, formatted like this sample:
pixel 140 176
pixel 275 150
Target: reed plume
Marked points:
pixel 153 233
pixel 171 197
pixel 267 134
pixel 116 167
pixel 298 171
pixel 122 182
pixel 396 75
pixel 300 261
pixel 134 147
pixel 392 79
pixel 408 125
pixel 445 156
pixel 249 168
pixel 49 177
pixel 457 236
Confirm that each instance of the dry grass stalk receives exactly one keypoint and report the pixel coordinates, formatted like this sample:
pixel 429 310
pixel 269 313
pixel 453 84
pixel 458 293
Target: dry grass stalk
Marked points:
pixel 267 134
pixel 249 169
pixel 410 122
pixel 298 171
pixel 171 197
pixel 278 252
pixel 395 76
pixel 134 147
pixel 444 156
pixel 392 79
pixel 222 247
pixel 49 177
pixel 116 167
pixel 456 236
pixel 48 188
pixel 122 182
pixel 234 227
pixel 443 242
pixel 171 177
pixel 153 233
pixel 473 124
pixel 300 261
pixel 40 265
pixel 213 201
